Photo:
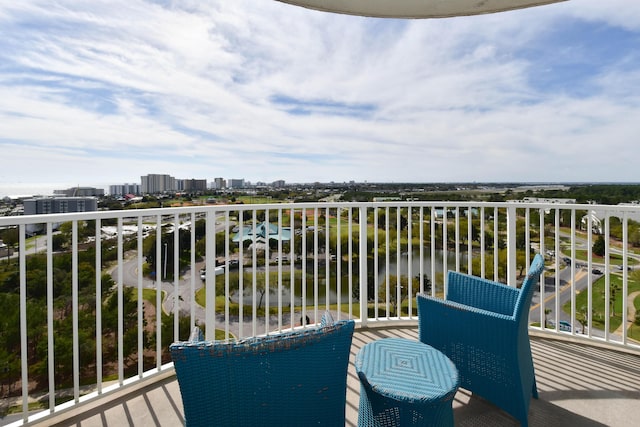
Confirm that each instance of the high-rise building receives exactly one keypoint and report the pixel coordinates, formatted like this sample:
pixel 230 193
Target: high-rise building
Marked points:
pixel 156 184
pixel 218 184
pixel 80 192
pixel 51 205
pixel 236 183
pixel 124 189
pixel 191 185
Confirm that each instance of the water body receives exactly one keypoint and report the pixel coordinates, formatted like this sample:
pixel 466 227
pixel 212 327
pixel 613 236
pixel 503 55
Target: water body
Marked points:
pixel 442 264
pixel 395 269
pixel 19 190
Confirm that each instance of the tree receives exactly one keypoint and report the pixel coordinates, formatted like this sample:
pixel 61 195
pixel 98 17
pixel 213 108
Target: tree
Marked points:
pixel 9 338
pixel 310 243
pixel 613 291
pixel 488 239
pixel 522 262
pixel 167 252
pixel 599 246
pixel 60 241
pixel 582 316
pixel 395 300
pixel 634 234
pixel 547 311
pixel 247 280
pixel 261 286
pixel 11 238
pixel 426 282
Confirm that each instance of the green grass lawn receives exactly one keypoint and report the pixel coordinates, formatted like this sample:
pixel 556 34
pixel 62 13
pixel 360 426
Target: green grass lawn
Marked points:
pixel 598 304
pixel 221 302
pixel 614 259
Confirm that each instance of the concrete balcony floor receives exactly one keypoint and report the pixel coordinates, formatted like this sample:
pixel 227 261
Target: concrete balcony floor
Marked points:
pixel 579 385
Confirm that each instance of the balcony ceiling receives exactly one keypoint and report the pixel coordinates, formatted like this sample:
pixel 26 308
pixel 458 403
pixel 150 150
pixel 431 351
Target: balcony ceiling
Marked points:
pixel 417 8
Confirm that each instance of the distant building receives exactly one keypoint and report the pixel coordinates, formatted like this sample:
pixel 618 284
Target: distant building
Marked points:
pixel 545 200
pixel 80 192
pixel 51 205
pixel 218 184
pixel 236 183
pixel 386 199
pixel 157 184
pixel 191 185
pixel 278 184
pixel 556 201
pixel 124 189
pixel 596 223
pixel 55 205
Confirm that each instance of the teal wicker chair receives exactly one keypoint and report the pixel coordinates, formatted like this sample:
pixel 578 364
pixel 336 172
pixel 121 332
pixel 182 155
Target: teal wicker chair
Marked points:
pixel 290 379
pixel 482 326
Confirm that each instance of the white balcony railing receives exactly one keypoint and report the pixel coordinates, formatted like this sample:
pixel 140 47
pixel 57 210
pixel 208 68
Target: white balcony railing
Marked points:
pixel 92 300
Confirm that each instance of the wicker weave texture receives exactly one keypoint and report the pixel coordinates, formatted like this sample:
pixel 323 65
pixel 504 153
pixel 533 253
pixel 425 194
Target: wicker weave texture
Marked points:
pixel 483 329
pixel 291 379
pixel 405 383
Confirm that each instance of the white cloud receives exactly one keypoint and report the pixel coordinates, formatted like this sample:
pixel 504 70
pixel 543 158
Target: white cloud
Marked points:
pixel 107 91
pixel 619 13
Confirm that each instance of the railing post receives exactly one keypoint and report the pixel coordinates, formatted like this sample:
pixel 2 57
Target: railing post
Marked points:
pixel 511 245
pixel 363 265
pixel 210 277
pixel 22 260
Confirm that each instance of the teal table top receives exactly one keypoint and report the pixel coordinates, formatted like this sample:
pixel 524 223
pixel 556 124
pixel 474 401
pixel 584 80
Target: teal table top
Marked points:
pixel 407 370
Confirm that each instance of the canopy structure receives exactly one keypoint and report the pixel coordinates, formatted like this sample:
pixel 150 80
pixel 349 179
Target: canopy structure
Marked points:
pixel 262 233
pixel 416 8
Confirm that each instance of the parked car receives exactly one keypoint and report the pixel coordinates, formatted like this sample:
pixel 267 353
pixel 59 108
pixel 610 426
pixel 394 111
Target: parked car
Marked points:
pixel 596 271
pixel 218 270
pixel 285 259
pixel 565 326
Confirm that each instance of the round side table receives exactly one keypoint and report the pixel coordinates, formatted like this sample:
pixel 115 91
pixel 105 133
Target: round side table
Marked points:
pixel 405 383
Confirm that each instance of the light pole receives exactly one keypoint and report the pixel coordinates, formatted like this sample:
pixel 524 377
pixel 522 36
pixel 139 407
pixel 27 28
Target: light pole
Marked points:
pixel 164 274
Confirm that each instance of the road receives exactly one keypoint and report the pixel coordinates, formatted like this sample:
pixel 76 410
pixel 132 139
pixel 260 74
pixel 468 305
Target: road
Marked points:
pixel 581 283
pixel 582 276
pixel 130 278
pixel 564 292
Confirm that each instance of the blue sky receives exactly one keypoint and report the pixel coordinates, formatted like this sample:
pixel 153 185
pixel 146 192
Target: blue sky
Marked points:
pixel 102 92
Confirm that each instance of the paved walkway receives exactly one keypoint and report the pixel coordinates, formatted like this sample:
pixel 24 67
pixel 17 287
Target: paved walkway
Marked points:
pixel 631 313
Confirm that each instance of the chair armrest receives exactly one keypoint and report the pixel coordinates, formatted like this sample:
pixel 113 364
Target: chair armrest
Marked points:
pixel 481 293
pixel 439 318
pixel 431 305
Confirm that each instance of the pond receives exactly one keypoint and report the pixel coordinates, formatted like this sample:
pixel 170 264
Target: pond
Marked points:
pixel 442 263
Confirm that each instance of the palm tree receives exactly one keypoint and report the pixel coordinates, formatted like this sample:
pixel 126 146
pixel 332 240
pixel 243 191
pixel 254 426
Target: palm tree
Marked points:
pixel 546 313
pixel 613 290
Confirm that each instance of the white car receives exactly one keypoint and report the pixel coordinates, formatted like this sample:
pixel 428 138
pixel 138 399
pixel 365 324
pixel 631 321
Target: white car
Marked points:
pixel 219 270
pixel 564 326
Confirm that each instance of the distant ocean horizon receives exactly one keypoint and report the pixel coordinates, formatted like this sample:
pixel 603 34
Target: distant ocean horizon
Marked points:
pixel 34 189
pixel 14 190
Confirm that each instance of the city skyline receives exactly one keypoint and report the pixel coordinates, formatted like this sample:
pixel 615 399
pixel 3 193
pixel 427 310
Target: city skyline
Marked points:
pixel 101 93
